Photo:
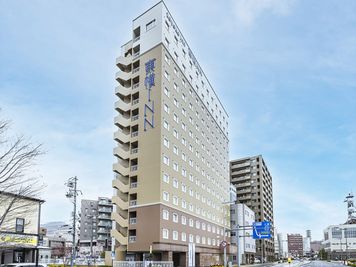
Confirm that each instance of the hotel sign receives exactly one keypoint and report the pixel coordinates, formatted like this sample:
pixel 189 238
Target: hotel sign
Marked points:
pixel 17 240
pixel 149 109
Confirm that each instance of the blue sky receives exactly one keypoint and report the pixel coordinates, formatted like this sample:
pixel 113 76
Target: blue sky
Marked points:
pixel 284 69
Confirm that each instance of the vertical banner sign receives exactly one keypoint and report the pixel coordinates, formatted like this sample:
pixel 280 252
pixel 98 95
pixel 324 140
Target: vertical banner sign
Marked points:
pixel 149 109
pixel 191 255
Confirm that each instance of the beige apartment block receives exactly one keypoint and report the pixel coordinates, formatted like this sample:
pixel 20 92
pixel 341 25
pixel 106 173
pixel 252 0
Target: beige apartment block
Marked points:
pixel 172 167
pixel 253 183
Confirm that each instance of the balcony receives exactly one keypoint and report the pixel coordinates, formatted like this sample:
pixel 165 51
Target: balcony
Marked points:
pixel 134 151
pixel 244 171
pixel 133 185
pixel 241 185
pixel 124 205
pixel 135 86
pixel 122 152
pixel 104 217
pixel 119 237
pixel 135 118
pixel 133 220
pixel 124 188
pixel 119 135
pixel 134 134
pixel 135 101
pixel 121 105
pixel 135 70
pixel 123 121
pixel 122 90
pixel 119 219
pixel 123 76
pixel 123 62
pixel 133 203
pixel 136 54
pixel 136 39
pixel 134 168
pixel 120 168
pixel 105 210
pixel 132 239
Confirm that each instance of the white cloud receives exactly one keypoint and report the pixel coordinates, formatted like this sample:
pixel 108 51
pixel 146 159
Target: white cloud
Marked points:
pixel 247 11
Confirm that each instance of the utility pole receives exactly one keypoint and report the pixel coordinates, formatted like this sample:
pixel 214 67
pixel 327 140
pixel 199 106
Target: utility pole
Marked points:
pixel 72 193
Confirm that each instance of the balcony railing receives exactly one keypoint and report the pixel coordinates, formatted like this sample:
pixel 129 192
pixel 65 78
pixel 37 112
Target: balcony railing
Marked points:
pixel 134 118
pixel 132 239
pixel 135 85
pixel 135 70
pixel 134 134
pixel 134 168
pixel 133 185
pixel 133 220
pixel 136 54
pixel 133 202
pixel 134 150
pixel 136 39
pixel 135 101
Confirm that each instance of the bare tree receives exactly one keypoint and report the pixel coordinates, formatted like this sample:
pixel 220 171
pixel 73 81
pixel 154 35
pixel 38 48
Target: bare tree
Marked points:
pixel 17 183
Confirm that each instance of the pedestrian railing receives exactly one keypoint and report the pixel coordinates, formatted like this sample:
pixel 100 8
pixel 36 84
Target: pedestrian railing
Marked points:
pixel 143 264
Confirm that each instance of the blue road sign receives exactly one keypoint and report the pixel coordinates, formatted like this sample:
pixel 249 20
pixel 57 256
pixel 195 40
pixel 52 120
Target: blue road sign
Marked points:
pixel 261 230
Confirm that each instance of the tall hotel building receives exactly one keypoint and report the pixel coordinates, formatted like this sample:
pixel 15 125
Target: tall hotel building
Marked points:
pixel 253 183
pixel 172 169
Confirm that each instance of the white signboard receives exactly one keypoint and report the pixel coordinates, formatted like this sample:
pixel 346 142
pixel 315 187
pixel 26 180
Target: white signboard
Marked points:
pixel 191 255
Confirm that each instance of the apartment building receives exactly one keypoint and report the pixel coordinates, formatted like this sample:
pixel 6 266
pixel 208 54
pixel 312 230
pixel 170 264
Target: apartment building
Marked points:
pixel 171 169
pixel 95 225
pixel 253 183
pixel 295 245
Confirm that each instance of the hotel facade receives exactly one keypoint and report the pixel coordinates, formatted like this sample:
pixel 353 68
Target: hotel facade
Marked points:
pixel 172 163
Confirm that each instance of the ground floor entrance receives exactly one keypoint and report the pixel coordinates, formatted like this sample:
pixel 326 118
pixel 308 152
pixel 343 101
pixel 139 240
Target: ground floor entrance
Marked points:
pixel 17 255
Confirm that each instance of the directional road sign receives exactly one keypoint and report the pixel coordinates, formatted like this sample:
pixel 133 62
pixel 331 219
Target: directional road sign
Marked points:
pixel 261 230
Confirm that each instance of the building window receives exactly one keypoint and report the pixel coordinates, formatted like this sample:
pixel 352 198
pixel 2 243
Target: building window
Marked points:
pixel 166 125
pixel 166 142
pixel 166 75
pixel 165 233
pixel 165 215
pixel 166 91
pixel 166 160
pixel 20 225
pixel 184 220
pixel 175 183
pixel 191 238
pixel 191 222
pixel 150 25
pixel 175 235
pixel 166 196
pixel 166 108
pixel 184 237
pixel 166 178
pixel 175 217
pixel 175 200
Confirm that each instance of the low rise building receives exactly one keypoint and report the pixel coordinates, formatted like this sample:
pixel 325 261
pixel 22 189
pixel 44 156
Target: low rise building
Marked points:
pixel 19 230
pixel 243 216
pixel 340 241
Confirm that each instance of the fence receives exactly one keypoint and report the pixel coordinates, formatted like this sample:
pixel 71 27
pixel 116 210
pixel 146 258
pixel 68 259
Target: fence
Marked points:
pixel 143 264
